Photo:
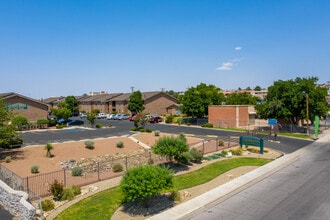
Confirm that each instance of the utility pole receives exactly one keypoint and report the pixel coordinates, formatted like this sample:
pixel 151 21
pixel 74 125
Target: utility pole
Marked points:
pixel 132 89
pixel 307 114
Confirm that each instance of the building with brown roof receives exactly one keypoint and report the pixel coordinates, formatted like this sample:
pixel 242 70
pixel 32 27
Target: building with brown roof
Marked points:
pixel 30 108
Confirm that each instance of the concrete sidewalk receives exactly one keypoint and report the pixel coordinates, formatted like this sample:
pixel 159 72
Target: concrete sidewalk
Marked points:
pixel 235 185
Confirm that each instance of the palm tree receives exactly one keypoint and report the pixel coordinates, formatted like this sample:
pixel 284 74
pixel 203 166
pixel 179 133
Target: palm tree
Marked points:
pixel 49 147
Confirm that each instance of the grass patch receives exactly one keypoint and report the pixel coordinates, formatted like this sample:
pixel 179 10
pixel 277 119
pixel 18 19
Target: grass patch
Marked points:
pixel 103 204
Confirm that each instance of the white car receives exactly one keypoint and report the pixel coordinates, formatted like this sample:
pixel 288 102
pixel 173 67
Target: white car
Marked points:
pixel 101 115
pixel 110 116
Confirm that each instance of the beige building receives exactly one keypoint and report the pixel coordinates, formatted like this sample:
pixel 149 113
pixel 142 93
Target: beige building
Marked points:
pixel 30 108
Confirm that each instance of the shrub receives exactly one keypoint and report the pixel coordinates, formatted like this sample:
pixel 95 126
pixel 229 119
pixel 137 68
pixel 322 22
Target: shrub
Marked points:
pixel 76 190
pixel 175 196
pixel 221 142
pixel 42 121
pixel 48 148
pixel 120 144
pixel 187 157
pixel 143 182
pixel 196 154
pixel 57 189
pixel 89 144
pixel 67 194
pixel 117 167
pixel 52 122
pixel 134 129
pixel 47 205
pixel 157 133
pixel 19 121
pixel 8 159
pixel 169 119
pixel 151 161
pixel 34 169
pixel 224 152
pixel 149 130
pixel 99 125
pixel 141 130
pixel 60 126
pixel 77 171
pixel 207 125
pixel 238 151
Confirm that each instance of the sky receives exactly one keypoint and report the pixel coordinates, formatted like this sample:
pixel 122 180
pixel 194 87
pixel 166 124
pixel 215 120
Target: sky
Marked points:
pixel 72 47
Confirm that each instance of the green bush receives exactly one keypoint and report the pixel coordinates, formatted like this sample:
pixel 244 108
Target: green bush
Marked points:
pixel 157 133
pixel 42 121
pixel 89 144
pixel 47 205
pixel 8 159
pixel 99 125
pixel 151 161
pixel 169 119
pixel 76 190
pixel 120 144
pixel 52 122
pixel 67 194
pixel 175 196
pixel 143 182
pixel 134 129
pixel 149 130
pixel 57 189
pixel 221 142
pixel 207 125
pixel 196 154
pixel 187 157
pixel 60 126
pixel 238 151
pixel 35 169
pixel 19 121
pixel 117 167
pixel 77 171
pixel 141 129
pixel 224 152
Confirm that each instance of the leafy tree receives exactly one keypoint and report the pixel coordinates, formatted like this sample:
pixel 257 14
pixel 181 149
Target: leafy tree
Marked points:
pixel 174 94
pixel 241 99
pixel 8 131
pixel 140 120
pixel 257 88
pixel 135 104
pixel 72 103
pixel 248 88
pixel 171 148
pixel 19 121
pixel 143 182
pixel 195 101
pixel 62 110
pixel 48 148
pixel 287 100
pixel 91 117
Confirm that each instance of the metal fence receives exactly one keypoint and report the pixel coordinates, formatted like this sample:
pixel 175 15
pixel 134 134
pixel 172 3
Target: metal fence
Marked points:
pixel 93 171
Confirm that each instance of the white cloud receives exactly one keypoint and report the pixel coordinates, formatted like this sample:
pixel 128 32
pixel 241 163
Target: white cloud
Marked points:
pixel 225 66
pixel 238 48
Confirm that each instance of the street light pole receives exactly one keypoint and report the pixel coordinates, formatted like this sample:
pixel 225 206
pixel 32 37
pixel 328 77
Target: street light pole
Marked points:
pixel 307 114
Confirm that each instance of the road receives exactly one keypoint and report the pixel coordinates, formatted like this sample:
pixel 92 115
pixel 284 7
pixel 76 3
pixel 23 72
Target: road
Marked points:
pixel 119 128
pixel 300 190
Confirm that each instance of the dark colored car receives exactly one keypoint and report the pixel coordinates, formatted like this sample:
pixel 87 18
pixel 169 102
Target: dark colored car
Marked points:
pixel 75 122
pixel 63 121
pixel 155 118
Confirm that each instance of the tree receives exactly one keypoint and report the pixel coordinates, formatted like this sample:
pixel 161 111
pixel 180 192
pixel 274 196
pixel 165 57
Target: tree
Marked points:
pixel 241 99
pixel 8 133
pixel 143 182
pixel 62 111
pixel 195 101
pixel 287 100
pixel 48 148
pixel 91 117
pixel 72 104
pixel 257 88
pixel 171 148
pixel 135 104
pixel 19 121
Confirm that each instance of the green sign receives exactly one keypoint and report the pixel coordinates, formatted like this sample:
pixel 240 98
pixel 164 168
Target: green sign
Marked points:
pixel 252 141
pixel 17 107
pixel 316 126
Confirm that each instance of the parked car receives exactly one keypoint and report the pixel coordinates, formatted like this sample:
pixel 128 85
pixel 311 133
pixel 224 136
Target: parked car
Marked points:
pixel 75 122
pixel 63 121
pixel 101 115
pixel 123 117
pixel 83 115
pixel 110 116
pixel 154 118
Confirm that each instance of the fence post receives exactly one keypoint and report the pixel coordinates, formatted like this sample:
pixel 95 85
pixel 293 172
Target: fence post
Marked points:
pixel 98 170
pixel 27 184
pixel 203 147
pixel 64 179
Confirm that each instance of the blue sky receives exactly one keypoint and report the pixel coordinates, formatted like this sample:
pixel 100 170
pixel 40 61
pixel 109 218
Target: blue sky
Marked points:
pixel 66 47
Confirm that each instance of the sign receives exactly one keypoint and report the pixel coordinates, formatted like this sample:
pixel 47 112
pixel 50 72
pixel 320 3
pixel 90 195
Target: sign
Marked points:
pixel 17 107
pixel 272 121
pixel 252 141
